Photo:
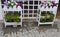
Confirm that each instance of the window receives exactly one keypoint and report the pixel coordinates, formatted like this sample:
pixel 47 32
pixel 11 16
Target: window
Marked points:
pixel 25 11
pixel 22 7
pixel 30 11
pixel 35 15
pixel 35 2
pixel 30 15
pixel 35 11
pixel 25 2
pixel 2 1
pixel 25 15
pixel 30 7
pixel 30 2
pixel 35 7
pixel 25 7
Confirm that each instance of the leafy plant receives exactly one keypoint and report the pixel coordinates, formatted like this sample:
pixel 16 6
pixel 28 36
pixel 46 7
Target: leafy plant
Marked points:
pixel 8 17
pixel 48 4
pixel 51 17
pixel 12 17
pixel 17 20
pixel 42 20
pixel 11 4
pixel 16 17
pixel 46 19
pixel 16 13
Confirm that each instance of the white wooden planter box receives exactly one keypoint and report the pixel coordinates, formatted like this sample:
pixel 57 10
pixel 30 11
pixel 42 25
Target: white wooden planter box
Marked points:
pixel 48 9
pixel 13 23
pixel 54 10
pixel 42 23
pixel 13 9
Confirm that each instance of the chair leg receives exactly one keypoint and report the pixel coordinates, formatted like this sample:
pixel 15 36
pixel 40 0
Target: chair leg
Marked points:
pixel 5 26
pixel 52 25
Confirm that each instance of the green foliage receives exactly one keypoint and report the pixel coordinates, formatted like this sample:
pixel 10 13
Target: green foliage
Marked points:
pixel 17 20
pixel 16 17
pixel 51 17
pixel 12 17
pixel 42 20
pixel 45 19
pixel 16 13
pixel 8 17
pixel 11 4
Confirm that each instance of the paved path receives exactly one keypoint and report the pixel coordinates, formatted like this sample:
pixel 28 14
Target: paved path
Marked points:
pixel 31 30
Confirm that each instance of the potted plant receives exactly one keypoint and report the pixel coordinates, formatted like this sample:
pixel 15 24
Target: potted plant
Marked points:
pixel 51 17
pixel 47 17
pixel 12 4
pixel 48 4
pixel 12 17
pixel 8 17
pixel 16 17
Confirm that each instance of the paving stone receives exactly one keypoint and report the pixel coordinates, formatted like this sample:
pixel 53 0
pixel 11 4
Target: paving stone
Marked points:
pixel 32 31
pixel 19 34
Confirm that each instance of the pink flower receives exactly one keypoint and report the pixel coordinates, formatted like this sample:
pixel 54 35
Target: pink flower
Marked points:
pixel 5 3
pixel 19 3
pixel 54 4
pixel 45 3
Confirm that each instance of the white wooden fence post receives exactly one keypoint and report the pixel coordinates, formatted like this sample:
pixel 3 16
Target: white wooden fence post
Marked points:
pixel 1 13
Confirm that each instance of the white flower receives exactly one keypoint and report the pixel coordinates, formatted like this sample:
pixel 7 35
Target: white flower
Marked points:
pixel 49 3
pixel 8 1
pixel 12 4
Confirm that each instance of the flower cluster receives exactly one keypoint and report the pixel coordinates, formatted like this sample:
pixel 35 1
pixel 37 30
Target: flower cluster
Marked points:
pixel 48 4
pixel 19 3
pixel 11 4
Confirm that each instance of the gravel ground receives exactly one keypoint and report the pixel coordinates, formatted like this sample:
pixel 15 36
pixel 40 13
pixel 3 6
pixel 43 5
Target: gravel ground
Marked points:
pixel 31 30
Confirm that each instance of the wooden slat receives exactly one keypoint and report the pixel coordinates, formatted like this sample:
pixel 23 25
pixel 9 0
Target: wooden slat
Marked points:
pixel 29 17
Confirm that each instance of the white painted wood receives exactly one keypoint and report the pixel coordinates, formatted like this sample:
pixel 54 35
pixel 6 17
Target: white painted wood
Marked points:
pixel 48 9
pixel 12 9
pixel 54 10
pixel 1 13
pixel 19 9
pixel 39 8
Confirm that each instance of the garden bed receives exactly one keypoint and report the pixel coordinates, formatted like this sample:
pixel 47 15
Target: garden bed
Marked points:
pixel 47 16
pixel 12 18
